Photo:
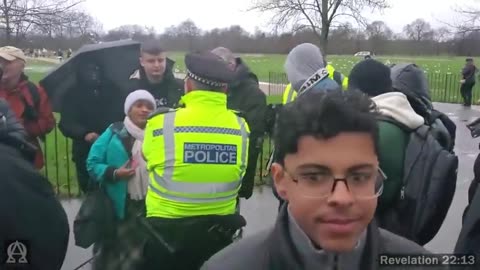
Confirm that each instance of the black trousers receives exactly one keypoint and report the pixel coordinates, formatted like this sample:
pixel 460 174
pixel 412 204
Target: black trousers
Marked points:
pixel 466 92
pixel 192 241
pixel 80 152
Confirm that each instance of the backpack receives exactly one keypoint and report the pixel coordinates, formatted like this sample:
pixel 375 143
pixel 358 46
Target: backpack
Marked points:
pixel 428 185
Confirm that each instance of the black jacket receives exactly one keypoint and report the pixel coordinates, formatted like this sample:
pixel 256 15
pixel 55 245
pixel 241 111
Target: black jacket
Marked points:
pixel 246 97
pixel 167 93
pixel 274 249
pixel 86 110
pixel 468 73
pixel 469 238
pixel 30 211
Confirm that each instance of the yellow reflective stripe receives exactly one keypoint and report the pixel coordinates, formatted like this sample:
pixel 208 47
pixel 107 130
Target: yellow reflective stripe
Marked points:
pixel 202 187
pixel 245 135
pixel 286 92
pixel 345 83
pixel 169 143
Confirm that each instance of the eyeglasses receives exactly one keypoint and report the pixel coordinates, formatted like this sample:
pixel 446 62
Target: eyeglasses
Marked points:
pixel 362 185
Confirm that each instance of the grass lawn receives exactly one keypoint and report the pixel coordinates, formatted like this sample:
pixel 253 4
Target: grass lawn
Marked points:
pixel 441 71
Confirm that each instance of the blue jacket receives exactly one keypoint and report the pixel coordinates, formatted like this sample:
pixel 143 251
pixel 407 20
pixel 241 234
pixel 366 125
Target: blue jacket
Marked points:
pixel 107 154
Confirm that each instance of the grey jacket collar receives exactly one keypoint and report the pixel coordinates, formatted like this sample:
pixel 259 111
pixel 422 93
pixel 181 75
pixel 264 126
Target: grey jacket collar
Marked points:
pixel 314 258
pixel 284 254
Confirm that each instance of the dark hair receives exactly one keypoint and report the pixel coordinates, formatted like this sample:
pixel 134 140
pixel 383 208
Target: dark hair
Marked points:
pixel 324 115
pixel 371 77
pixel 152 47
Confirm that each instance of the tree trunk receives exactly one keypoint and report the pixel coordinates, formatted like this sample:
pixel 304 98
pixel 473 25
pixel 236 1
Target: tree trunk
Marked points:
pixel 324 41
pixel 8 29
pixel 325 28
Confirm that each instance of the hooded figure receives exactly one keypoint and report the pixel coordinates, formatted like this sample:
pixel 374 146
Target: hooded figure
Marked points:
pixel 305 68
pixel 87 110
pixel 410 80
pixel 29 209
pixel 245 96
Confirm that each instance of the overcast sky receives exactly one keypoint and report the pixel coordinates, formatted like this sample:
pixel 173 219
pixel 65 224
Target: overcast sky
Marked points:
pixel 209 14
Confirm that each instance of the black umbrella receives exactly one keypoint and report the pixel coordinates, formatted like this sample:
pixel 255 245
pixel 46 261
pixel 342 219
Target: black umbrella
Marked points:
pixel 118 59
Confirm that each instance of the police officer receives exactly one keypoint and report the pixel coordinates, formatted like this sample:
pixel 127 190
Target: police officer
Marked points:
pixel 196 157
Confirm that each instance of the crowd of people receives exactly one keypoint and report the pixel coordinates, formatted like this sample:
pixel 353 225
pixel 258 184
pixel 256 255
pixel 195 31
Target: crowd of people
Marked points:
pixel 363 166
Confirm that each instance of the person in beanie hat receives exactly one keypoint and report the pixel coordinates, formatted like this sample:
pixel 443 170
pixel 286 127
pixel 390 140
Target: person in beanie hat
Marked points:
pixel 371 77
pixel 197 158
pixel 115 160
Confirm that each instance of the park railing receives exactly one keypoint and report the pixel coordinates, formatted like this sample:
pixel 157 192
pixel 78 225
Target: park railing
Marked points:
pixel 59 168
pixel 444 87
pixel 61 171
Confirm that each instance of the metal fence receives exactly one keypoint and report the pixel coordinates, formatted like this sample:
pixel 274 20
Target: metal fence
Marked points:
pixel 59 168
pixel 61 172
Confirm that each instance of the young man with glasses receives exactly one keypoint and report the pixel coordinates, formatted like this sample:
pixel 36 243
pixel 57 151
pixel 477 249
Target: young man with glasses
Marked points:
pixel 328 173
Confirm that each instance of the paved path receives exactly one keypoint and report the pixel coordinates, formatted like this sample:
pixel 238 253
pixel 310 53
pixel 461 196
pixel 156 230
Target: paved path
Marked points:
pixel 260 210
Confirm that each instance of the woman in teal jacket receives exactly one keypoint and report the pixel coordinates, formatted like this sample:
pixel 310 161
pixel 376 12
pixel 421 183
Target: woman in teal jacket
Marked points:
pixel 115 161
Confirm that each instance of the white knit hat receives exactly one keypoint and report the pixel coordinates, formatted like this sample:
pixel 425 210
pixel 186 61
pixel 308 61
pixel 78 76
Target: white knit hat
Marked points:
pixel 136 96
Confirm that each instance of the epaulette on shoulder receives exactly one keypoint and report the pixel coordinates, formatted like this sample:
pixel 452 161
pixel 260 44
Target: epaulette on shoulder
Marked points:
pixel 161 110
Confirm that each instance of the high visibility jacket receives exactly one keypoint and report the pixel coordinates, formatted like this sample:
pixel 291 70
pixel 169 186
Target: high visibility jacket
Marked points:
pixel 337 76
pixel 289 94
pixel 196 157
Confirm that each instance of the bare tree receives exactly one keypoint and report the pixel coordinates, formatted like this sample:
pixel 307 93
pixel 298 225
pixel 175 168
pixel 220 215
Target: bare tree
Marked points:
pixel 17 16
pixel 441 34
pixel 419 30
pixel 318 15
pixel 378 33
pixel 379 30
pixel 189 31
pixel 468 19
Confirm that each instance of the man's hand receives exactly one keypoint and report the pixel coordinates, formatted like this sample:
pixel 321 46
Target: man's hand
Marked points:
pixel 91 137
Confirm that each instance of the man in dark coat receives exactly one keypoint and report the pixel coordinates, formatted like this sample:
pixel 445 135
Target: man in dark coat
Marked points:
pixel 156 76
pixel 468 81
pixel 29 211
pixel 87 110
pixel 327 172
pixel 245 96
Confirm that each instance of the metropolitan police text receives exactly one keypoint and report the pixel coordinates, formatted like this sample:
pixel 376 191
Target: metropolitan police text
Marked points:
pixel 208 153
